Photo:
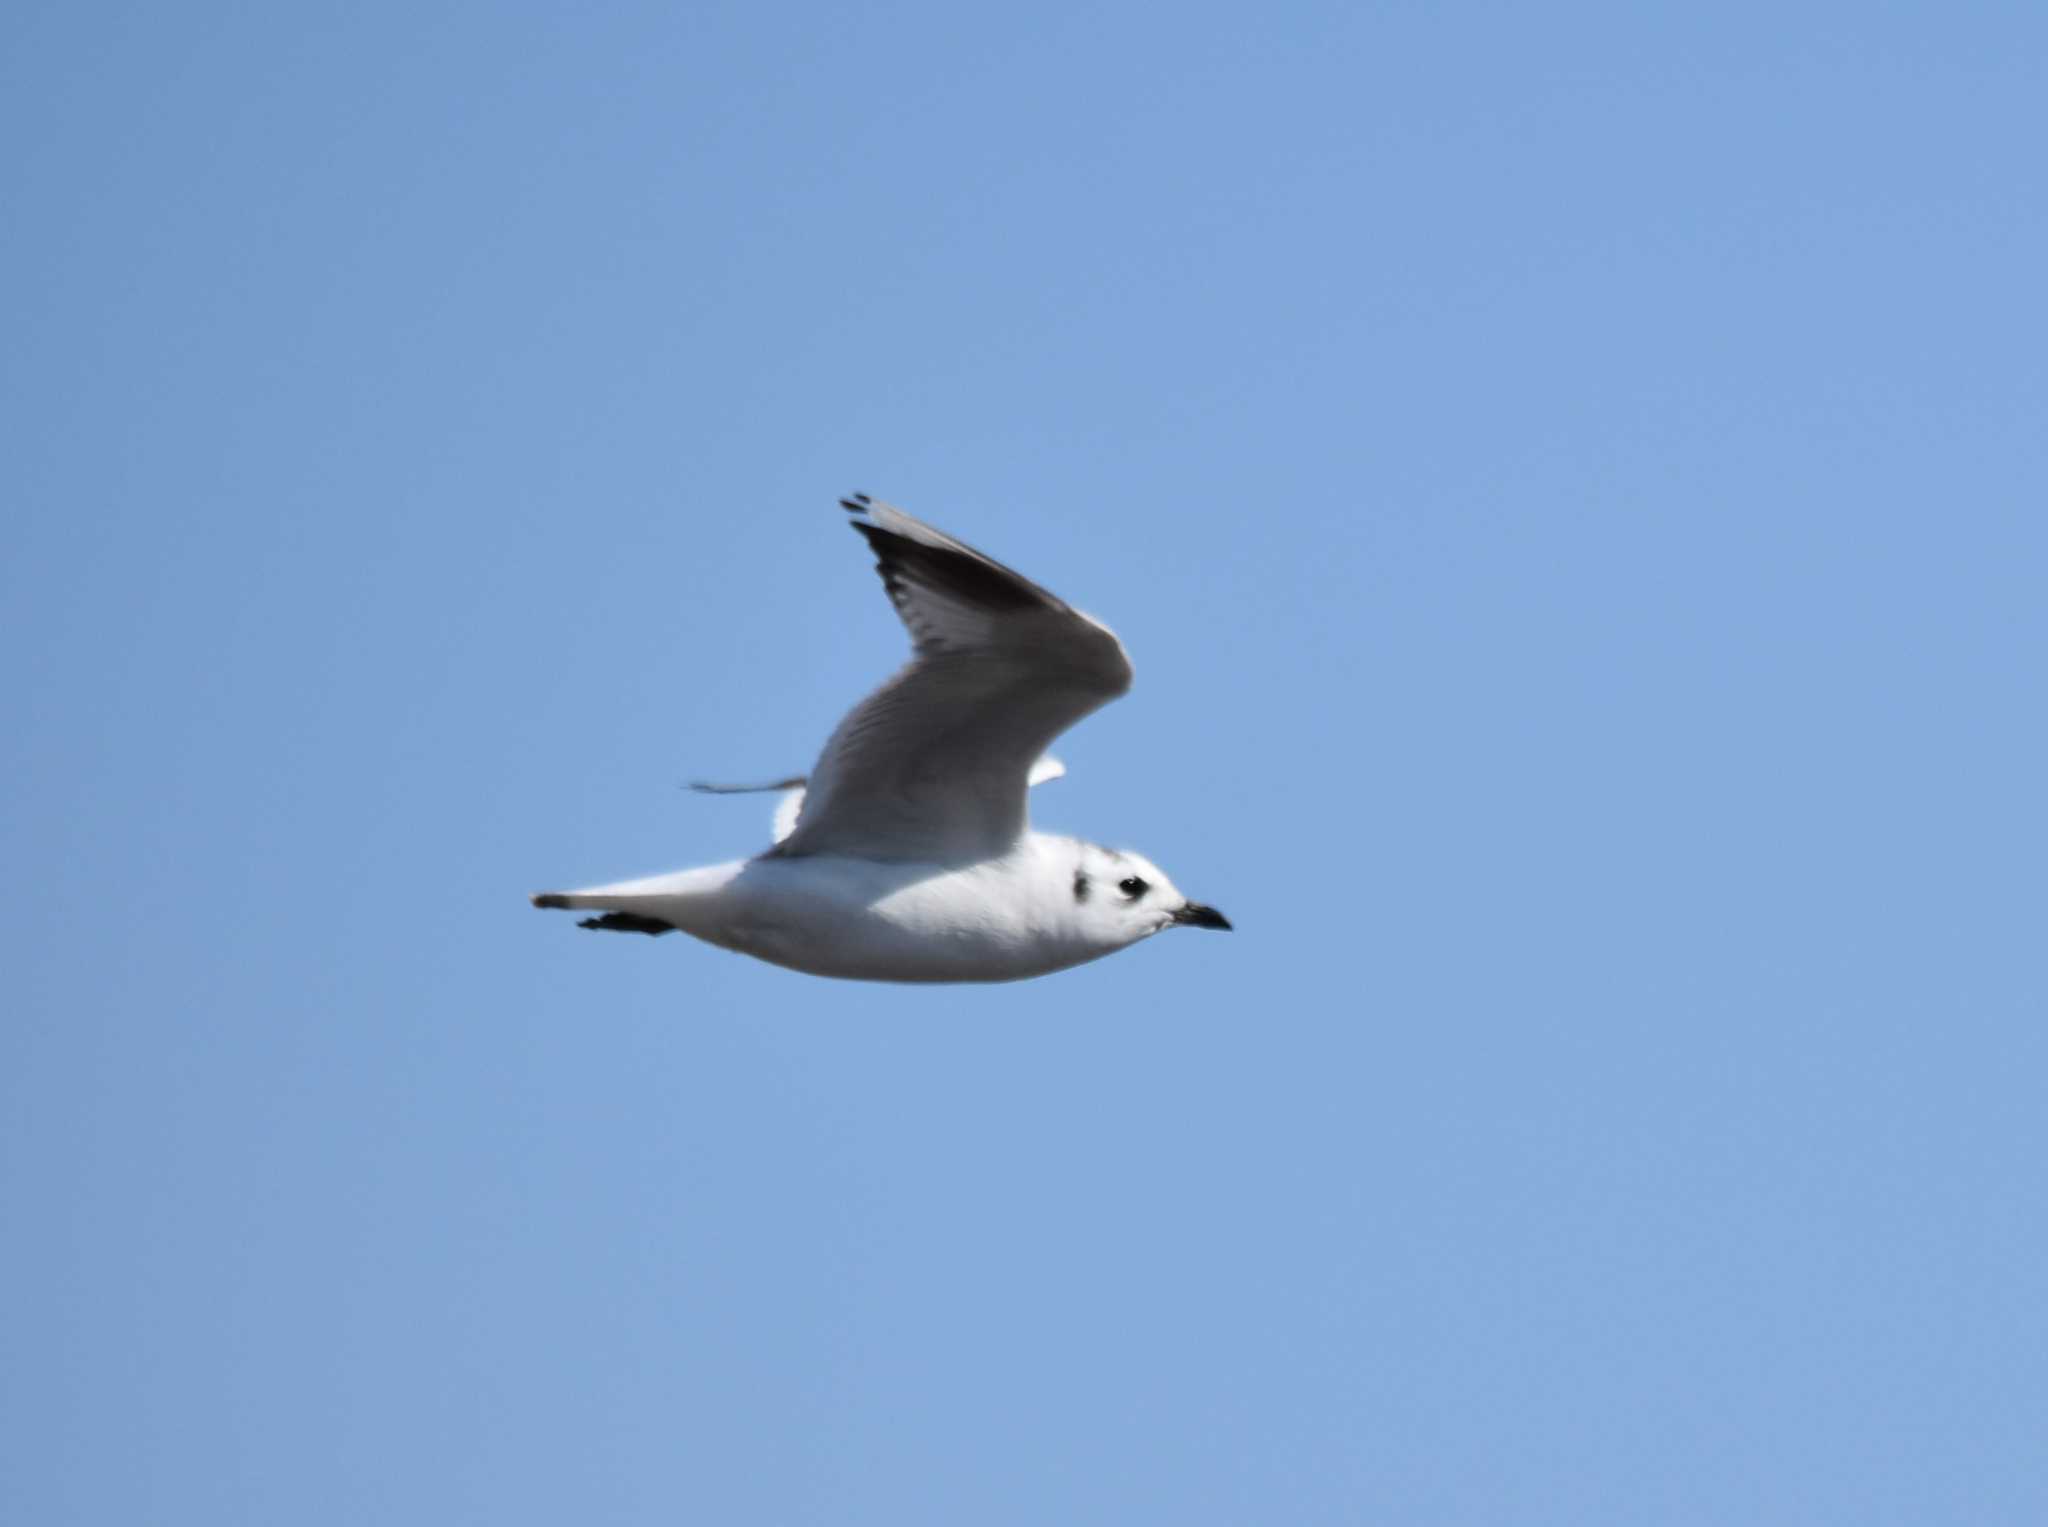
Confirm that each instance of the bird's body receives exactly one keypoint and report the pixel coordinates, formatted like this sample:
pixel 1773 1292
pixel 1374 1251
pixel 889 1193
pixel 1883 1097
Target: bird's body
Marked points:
pixel 911 857
pixel 999 919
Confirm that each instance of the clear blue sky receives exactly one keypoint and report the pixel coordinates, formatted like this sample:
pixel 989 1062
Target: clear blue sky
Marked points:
pixel 1573 482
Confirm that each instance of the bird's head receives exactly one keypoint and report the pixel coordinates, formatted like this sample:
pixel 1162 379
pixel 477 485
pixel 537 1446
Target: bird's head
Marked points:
pixel 1121 897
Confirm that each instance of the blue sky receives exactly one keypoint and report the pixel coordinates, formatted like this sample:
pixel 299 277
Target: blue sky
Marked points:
pixel 1572 482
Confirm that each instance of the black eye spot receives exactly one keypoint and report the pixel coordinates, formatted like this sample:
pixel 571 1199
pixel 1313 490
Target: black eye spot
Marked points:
pixel 1132 887
pixel 1080 885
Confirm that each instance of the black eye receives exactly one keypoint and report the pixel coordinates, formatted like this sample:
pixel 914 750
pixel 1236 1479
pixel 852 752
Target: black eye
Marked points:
pixel 1132 887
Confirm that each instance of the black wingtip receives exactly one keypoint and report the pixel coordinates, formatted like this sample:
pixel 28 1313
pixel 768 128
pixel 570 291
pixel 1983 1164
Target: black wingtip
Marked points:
pixel 856 503
pixel 627 922
pixel 550 901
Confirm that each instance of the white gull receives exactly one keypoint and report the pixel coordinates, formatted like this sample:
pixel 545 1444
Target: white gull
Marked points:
pixel 907 854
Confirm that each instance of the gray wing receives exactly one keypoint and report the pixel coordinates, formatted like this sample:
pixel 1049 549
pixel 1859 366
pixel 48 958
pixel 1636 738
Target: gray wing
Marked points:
pixel 934 764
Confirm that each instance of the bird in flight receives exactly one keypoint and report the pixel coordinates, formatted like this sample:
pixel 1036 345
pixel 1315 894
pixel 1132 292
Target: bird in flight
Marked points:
pixel 907 854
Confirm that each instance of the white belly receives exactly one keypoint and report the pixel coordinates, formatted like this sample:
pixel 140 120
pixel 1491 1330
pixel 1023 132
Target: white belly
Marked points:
pixel 863 921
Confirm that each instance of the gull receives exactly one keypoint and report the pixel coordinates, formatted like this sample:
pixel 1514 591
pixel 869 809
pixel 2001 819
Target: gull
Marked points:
pixel 907 854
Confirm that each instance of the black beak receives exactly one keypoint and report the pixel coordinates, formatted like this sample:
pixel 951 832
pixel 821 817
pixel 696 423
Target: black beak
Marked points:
pixel 1194 915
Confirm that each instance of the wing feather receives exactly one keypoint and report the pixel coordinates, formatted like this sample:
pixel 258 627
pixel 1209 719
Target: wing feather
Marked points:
pixel 934 765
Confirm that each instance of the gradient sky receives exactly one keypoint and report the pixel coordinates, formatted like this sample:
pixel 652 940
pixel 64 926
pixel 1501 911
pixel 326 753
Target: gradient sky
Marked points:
pixel 1573 482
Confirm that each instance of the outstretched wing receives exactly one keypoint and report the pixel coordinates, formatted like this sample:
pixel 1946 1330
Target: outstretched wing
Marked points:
pixel 791 802
pixel 933 765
